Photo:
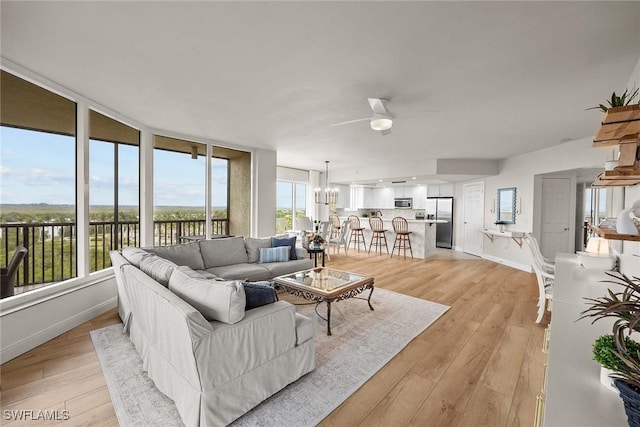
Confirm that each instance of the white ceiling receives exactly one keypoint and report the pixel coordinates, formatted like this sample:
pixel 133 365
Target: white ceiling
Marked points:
pixel 465 79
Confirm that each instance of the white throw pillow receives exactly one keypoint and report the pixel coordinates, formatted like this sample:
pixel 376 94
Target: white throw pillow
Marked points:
pixel 223 301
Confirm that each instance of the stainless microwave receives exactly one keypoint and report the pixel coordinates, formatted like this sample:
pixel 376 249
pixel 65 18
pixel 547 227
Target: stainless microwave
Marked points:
pixel 403 203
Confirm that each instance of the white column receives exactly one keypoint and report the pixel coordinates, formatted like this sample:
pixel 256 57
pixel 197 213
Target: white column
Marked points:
pixel 82 189
pixel 146 188
pixel 207 190
pixel 264 193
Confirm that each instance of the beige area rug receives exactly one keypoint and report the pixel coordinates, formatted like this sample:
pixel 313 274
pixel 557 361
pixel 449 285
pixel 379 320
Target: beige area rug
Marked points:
pixel 363 341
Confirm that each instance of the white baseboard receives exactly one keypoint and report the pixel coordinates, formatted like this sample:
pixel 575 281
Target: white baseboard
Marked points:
pixel 458 248
pixel 516 265
pixel 53 331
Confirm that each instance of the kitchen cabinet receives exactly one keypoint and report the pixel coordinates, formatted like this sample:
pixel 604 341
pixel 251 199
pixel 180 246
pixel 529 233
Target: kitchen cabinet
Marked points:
pixel 401 192
pixel 344 196
pixel 368 198
pixel 440 190
pixel 419 195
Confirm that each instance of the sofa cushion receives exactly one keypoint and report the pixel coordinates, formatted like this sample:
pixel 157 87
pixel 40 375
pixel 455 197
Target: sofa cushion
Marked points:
pixel 278 254
pixel 220 252
pixel 186 254
pixel 223 301
pixel 289 241
pixel 253 247
pixel 280 268
pixel 243 271
pixel 206 274
pixel 259 294
pixel 305 328
pixel 159 269
pixel 134 255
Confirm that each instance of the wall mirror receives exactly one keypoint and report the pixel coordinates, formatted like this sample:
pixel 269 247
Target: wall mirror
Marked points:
pixel 506 209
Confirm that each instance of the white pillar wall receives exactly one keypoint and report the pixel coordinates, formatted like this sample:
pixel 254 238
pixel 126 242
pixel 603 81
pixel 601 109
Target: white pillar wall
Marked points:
pixel 264 193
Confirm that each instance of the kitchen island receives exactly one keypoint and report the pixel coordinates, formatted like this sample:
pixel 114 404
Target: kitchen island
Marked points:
pixel 423 235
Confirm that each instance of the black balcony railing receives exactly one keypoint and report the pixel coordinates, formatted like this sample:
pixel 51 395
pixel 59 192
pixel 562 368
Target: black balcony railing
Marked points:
pixel 52 246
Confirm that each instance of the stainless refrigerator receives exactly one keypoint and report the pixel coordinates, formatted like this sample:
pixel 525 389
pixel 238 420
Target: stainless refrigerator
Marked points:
pixel 442 208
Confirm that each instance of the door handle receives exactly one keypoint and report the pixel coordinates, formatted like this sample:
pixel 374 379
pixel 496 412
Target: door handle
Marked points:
pixel 566 229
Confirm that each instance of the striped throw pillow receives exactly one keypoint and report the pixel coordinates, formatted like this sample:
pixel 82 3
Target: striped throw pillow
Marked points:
pixel 277 254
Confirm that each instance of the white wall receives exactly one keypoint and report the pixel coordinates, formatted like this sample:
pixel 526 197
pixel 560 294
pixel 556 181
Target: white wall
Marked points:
pixel 520 171
pixel 26 326
pixel 290 174
pixel 264 193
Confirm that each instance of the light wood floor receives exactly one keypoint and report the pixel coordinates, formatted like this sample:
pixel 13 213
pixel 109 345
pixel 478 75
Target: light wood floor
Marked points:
pixel 480 364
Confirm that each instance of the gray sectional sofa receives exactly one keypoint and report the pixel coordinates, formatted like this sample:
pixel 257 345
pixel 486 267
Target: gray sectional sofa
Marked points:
pixel 197 343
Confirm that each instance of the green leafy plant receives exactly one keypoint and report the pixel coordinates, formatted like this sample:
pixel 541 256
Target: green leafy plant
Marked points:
pixel 617 101
pixel 624 307
pixel 604 352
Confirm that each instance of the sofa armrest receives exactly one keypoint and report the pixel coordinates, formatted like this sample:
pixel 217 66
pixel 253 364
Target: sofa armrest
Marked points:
pixel 301 253
pixel 232 350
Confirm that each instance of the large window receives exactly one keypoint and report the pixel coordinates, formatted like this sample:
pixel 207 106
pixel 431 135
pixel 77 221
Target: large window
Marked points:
pixel 114 212
pixel 38 188
pixel 179 170
pixel 180 182
pixel 291 202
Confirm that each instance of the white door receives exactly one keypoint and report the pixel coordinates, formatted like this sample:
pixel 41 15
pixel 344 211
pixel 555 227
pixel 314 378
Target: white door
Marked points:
pixel 556 225
pixel 473 218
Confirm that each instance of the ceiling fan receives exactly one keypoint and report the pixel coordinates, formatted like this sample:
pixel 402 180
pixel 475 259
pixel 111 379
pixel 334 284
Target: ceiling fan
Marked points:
pixel 381 120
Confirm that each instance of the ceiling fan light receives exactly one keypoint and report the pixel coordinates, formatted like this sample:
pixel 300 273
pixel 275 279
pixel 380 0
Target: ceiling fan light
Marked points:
pixel 381 122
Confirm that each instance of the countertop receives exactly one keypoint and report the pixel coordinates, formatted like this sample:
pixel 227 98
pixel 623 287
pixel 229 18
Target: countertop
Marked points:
pixel 423 221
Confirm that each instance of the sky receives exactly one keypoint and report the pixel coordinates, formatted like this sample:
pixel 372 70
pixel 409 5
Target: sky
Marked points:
pixel 38 167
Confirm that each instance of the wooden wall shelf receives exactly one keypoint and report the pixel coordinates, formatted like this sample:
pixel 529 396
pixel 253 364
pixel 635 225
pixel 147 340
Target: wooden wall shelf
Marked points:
pixel 516 236
pixel 617 178
pixel 607 233
pixel 618 123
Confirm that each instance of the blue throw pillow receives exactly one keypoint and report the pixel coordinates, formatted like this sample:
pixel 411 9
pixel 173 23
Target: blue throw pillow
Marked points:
pixel 279 254
pixel 259 294
pixel 288 241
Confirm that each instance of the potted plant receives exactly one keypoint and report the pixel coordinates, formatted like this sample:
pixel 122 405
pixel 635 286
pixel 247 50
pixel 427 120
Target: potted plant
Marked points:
pixel 623 305
pixel 605 353
pixel 617 101
pixel 621 120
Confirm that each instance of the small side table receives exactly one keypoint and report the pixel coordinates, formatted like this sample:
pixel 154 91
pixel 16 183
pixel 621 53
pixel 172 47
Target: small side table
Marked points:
pixel 313 253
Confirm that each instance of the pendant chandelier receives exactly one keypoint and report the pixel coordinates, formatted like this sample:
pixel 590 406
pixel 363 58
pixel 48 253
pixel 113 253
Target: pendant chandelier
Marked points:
pixel 330 194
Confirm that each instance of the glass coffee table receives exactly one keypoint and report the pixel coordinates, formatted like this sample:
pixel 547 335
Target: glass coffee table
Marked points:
pixel 325 285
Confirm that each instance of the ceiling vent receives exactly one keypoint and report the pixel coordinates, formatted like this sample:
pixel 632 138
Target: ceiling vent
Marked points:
pixel 398 182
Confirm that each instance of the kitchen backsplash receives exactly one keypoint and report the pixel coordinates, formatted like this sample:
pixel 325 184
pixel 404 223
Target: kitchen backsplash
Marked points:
pixel 386 213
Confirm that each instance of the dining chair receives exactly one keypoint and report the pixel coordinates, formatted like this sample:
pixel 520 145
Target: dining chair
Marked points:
pixel 325 233
pixel 334 219
pixel 341 240
pixel 546 264
pixel 8 275
pixel 545 278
